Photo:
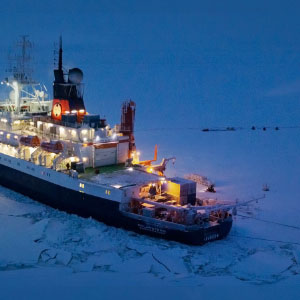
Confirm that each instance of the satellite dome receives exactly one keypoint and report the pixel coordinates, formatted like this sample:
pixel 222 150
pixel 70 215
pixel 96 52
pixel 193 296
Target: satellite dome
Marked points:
pixel 75 76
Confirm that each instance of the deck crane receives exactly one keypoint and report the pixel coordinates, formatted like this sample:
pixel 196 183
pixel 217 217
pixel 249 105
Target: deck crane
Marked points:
pixel 148 162
pixel 161 167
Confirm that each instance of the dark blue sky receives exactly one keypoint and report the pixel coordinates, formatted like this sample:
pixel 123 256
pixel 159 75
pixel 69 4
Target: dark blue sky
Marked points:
pixel 185 63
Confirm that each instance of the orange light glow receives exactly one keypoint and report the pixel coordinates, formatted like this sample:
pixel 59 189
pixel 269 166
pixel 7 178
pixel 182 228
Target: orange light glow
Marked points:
pixel 149 170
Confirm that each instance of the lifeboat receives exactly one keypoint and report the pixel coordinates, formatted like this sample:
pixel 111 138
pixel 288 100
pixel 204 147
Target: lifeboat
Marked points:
pixel 52 146
pixel 31 141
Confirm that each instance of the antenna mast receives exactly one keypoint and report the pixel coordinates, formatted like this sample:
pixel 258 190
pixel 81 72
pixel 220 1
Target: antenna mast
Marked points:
pixel 60 54
pixel 21 62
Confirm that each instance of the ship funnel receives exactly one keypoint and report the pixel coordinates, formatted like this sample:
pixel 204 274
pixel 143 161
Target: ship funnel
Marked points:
pixel 67 92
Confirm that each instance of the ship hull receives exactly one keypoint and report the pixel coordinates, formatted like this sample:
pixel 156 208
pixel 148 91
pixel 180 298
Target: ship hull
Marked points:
pixel 103 210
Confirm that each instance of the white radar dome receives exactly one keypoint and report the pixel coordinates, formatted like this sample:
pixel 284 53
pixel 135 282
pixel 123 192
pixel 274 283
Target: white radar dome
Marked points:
pixel 75 76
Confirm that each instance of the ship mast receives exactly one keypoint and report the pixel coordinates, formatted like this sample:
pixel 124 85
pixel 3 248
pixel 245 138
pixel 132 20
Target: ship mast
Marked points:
pixel 20 68
pixel 27 96
pixel 21 62
pixel 60 54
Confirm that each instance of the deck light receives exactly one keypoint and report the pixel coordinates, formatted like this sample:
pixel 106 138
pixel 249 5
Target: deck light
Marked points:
pixel 117 186
pixel 149 170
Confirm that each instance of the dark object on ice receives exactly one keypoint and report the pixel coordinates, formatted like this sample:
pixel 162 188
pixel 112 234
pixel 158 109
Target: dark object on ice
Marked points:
pixel 230 128
pixel 253 128
pixel 264 129
pixel 211 188
pixel 205 129
pixel 266 188
pixel 276 128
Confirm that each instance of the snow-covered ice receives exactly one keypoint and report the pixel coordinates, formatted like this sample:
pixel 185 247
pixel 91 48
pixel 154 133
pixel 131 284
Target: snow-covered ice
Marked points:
pixel 55 249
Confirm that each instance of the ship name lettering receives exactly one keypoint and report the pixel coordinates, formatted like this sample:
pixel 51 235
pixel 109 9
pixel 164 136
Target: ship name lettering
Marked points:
pixel 152 229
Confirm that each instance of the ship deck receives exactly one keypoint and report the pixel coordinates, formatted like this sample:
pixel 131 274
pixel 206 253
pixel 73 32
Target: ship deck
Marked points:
pixel 118 176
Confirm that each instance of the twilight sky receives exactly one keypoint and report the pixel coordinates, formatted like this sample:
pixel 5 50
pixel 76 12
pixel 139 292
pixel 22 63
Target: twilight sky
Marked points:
pixel 185 63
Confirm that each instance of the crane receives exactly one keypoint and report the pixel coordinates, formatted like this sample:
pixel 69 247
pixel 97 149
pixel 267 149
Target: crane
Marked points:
pixel 161 167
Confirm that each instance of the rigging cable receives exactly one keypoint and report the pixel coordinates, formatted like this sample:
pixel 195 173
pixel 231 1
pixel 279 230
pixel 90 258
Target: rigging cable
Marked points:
pixel 271 222
pixel 264 239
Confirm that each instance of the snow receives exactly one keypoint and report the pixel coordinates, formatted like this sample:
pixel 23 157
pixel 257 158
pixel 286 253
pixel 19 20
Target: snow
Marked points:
pixel 45 250
pixel 123 178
